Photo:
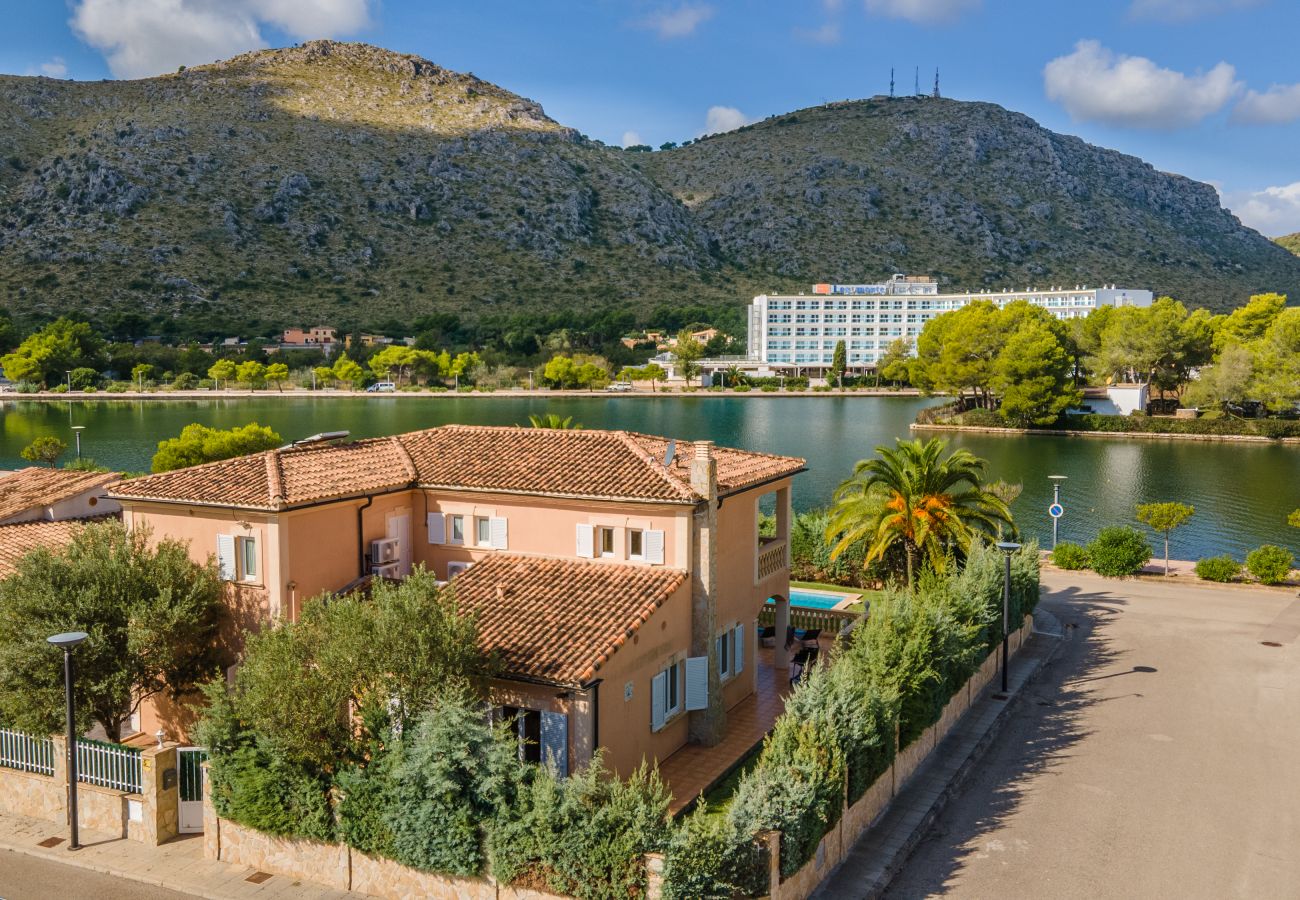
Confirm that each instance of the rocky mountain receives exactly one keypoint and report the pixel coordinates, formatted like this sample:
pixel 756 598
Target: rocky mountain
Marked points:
pixel 1290 242
pixel 345 183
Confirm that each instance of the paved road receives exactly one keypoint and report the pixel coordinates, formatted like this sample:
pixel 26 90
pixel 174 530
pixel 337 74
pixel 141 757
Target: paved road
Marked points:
pixel 29 878
pixel 1158 756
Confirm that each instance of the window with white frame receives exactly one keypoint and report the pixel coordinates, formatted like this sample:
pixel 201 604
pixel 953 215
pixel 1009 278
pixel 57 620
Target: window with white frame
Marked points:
pixel 635 544
pixel 482 531
pixel 605 541
pixel 457 529
pixel 246 557
pixel 730 649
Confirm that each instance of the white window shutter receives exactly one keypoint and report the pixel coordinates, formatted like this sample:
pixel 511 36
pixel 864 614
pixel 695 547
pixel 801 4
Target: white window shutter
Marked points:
pixel 555 741
pixel 226 556
pixel 658 698
pixel 497 527
pixel 738 650
pixel 437 528
pixel 654 547
pixel 586 541
pixel 697 682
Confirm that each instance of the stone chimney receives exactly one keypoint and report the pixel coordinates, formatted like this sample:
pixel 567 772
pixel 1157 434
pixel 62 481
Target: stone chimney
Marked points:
pixel 707 726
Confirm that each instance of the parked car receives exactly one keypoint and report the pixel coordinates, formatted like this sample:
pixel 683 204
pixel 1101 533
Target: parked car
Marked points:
pixel 620 387
pixel 381 387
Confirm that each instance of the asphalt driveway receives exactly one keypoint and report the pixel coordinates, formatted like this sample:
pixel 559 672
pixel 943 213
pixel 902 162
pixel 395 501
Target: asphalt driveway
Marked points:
pixel 1157 756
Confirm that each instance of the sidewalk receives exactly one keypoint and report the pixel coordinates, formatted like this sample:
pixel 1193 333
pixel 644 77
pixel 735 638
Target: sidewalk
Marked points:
pixel 879 854
pixel 177 865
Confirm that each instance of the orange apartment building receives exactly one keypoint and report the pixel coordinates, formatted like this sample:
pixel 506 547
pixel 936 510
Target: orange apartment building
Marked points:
pixel 617 576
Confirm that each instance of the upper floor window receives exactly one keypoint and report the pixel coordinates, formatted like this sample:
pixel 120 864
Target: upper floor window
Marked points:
pixel 605 541
pixel 482 531
pixel 635 543
pixel 457 530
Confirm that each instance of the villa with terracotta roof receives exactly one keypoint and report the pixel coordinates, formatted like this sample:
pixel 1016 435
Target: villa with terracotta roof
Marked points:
pixel 49 494
pixel 616 576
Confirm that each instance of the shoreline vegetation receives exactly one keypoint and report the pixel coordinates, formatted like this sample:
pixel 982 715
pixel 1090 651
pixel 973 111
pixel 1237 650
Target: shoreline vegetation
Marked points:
pixel 1263 431
pixel 511 393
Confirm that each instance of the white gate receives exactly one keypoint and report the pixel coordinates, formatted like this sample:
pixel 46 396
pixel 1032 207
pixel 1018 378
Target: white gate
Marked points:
pixel 189 763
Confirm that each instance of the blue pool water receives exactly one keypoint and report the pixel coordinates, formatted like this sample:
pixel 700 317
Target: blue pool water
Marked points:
pixel 812 601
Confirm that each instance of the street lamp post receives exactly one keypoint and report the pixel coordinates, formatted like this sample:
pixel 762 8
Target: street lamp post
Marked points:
pixel 67 642
pixel 1056 501
pixel 68 372
pixel 77 429
pixel 1007 548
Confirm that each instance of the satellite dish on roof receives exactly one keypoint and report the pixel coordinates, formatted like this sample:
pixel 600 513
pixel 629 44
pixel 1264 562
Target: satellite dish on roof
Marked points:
pixel 669 453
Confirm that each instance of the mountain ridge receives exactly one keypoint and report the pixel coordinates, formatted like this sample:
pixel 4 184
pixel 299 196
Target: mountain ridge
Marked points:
pixel 347 183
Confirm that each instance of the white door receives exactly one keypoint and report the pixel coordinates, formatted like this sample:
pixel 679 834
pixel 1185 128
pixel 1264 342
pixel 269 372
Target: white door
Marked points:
pixel 399 527
pixel 189 763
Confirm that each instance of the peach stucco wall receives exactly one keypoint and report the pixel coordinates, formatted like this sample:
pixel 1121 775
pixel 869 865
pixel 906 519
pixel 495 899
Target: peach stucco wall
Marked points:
pixel 541 526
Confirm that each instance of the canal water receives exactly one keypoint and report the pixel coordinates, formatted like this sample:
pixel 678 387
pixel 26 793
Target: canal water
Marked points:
pixel 1242 492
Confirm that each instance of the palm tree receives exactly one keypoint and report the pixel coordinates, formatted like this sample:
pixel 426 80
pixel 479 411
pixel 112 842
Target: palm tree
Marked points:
pixel 553 420
pixel 910 497
pixel 735 376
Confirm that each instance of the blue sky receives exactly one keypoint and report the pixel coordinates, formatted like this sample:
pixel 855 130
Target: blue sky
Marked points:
pixel 1206 88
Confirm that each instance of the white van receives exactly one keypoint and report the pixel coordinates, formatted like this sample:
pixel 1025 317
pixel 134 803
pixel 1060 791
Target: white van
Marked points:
pixel 381 387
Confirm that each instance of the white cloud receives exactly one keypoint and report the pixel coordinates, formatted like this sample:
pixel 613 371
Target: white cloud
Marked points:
pixel 827 34
pixel 1273 211
pixel 1276 106
pixel 631 139
pixel 148 37
pixel 1097 85
pixel 679 22
pixel 54 67
pixel 724 118
pixel 922 12
pixel 1185 10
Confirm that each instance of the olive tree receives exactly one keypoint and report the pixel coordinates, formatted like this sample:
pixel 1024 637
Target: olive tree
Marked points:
pixel 153 617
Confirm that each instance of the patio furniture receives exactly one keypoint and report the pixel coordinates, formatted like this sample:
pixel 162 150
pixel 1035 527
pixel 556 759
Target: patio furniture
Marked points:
pixel 767 635
pixel 805 658
pixel 804 638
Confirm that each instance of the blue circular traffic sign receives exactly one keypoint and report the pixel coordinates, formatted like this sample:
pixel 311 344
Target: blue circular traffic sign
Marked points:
pixel 1056 510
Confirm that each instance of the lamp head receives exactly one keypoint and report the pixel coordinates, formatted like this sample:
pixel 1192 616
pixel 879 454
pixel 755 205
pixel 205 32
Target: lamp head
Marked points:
pixel 1008 546
pixel 67 640
pixel 78 427
pixel 1057 477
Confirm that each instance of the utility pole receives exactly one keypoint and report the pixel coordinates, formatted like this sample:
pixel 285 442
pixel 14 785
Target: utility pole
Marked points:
pixel 916 82
pixel 936 82
pixel 891 83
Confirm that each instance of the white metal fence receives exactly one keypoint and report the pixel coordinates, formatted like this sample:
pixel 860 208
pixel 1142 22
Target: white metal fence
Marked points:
pixel 26 753
pixel 109 765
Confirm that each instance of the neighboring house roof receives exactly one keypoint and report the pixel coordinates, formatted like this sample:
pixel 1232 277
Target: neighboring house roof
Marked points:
pixel 39 487
pixel 602 465
pixel 558 621
pixel 16 541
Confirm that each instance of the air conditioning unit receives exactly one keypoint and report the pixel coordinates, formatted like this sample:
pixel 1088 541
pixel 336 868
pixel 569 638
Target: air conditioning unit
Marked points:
pixel 384 551
pixel 390 571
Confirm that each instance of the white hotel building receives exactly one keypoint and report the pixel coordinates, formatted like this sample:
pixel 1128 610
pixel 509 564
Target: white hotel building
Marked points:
pixel 800 331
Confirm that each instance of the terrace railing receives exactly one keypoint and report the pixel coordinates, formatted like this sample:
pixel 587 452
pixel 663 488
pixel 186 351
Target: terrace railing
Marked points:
pixel 109 765
pixel 26 753
pixel 771 557
pixel 830 621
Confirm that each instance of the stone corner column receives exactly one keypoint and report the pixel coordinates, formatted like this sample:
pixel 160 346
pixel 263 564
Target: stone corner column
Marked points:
pixel 211 824
pixel 780 654
pixel 160 795
pixel 773 841
pixel 654 876
pixel 709 725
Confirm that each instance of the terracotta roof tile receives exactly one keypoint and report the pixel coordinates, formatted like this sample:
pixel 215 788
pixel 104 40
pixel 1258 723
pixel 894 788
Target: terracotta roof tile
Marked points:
pixel 606 465
pixel 35 487
pixel 558 620
pixel 16 541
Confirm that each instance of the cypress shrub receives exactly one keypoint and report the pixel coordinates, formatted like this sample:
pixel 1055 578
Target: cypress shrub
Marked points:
pixel 261 789
pixel 1070 556
pixel 708 859
pixel 1218 568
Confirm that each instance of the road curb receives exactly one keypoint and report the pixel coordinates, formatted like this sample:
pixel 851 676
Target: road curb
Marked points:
pixel 125 874
pixel 1047 627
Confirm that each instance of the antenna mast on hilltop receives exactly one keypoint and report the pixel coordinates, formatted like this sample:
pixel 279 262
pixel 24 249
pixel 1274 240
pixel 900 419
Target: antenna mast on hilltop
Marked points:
pixel 916 82
pixel 936 82
pixel 891 83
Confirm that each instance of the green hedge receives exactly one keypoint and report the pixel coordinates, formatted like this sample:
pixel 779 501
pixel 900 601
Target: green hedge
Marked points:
pixel 1218 568
pixel 1068 555
pixel 1270 428
pixel 1270 564
pixel 1118 551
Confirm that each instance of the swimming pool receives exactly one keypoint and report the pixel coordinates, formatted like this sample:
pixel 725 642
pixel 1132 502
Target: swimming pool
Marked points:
pixel 813 599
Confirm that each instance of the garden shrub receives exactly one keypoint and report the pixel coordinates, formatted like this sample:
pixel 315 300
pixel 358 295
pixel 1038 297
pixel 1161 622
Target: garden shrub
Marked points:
pixel 1218 568
pixel 365 798
pixel 453 777
pixel 741 389
pixel 767 388
pixel 1270 564
pixel 796 788
pixel 584 836
pixel 1118 551
pixel 118 387
pixel 708 859
pixel 1069 555
pixel 983 418
pixel 261 789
